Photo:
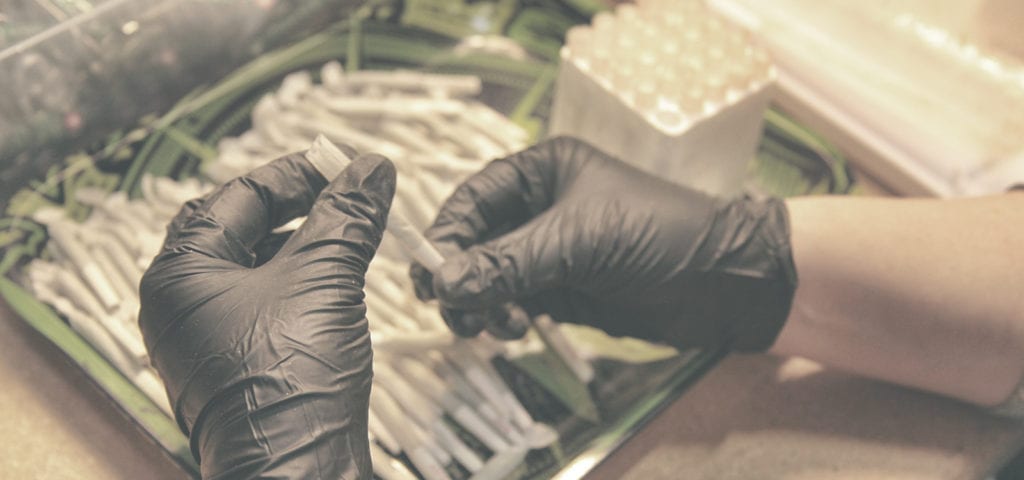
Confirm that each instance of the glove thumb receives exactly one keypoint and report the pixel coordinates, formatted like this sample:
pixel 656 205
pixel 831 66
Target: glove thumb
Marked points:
pixel 348 219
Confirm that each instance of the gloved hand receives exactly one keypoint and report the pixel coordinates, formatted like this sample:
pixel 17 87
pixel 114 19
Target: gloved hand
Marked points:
pixel 564 229
pixel 268 365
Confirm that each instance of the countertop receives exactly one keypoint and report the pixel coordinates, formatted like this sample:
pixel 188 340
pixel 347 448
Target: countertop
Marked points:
pixel 751 417
pixel 762 417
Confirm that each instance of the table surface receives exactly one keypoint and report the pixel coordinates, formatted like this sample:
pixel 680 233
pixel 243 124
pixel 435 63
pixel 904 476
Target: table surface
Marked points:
pixel 752 416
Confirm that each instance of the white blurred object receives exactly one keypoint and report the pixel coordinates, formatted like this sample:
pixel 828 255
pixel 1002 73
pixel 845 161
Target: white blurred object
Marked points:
pixel 668 86
pixel 917 92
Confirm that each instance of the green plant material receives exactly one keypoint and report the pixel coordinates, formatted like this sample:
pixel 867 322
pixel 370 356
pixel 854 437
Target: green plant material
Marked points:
pixel 540 31
pixel 219 97
pixel 59 188
pixel 788 141
pixel 458 19
pixel 192 145
pixel 548 369
pixel 26 201
pixel 587 8
pixel 622 349
pixel 20 239
pixel 355 44
pixel 130 398
pixel 117 144
pixel 382 44
pixel 529 102
pixel 622 427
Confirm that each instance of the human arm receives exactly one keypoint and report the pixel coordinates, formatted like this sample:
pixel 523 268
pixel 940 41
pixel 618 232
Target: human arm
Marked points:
pixel 267 361
pixel 920 292
pixel 564 229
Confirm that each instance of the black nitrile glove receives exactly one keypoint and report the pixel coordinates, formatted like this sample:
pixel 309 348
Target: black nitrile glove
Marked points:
pixel 564 229
pixel 268 365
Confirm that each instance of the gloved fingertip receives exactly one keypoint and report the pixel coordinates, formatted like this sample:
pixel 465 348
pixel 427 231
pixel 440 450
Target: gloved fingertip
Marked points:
pixel 508 322
pixel 365 188
pixel 455 284
pixel 422 282
pixel 464 323
pixel 371 171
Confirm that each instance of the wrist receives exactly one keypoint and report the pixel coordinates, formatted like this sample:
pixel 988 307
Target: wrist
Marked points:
pixel 751 251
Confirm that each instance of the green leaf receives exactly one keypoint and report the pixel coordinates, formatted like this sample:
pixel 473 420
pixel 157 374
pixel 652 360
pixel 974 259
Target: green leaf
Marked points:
pixel 548 369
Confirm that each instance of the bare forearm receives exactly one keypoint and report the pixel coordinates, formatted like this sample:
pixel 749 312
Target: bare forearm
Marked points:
pixel 924 293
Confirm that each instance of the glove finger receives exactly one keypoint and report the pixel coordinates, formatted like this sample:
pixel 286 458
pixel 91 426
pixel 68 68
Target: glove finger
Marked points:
pixel 422 279
pixel 240 213
pixel 507 192
pixel 518 264
pixel 510 322
pixel 346 224
pixel 269 246
pixel 465 323
pixel 507 322
pixel 422 282
pixel 182 217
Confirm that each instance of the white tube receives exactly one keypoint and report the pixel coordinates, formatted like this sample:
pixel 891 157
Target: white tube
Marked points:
pixel 294 86
pixel 330 161
pixel 448 165
pixel 401 132
pixel 63 235
pixel 332 74
pixel 71 286
pixel 122 259
pixel 418 204
pixel 437 190
pixel 494 414
pixel 148 381
pixel 381 311
pixel 417 405
pixel 387 467
pixel 398 106
pixel 453 85
pixel 421 405
pixel 506 131
pixel 117 207
pixel 174 193
pixel 428 382
pixel 89 329
pixel 412 343
pixel 503 464
pixel 312 121
pixel 121 286
pixel 553 337
pixel 161 206
pixel 481 368
pixel 125 236
pixel 386 288
pixel 429 318
pixel 381 433
pixel 412 204
pixel 465 456
pixel 390 414
pixel 469 366
pixel 427 414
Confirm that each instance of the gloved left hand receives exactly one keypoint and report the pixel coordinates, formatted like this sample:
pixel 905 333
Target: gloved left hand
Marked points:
pixel 268 365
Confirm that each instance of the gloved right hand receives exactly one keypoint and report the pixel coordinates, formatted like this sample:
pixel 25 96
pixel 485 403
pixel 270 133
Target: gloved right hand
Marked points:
pixel 564 229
